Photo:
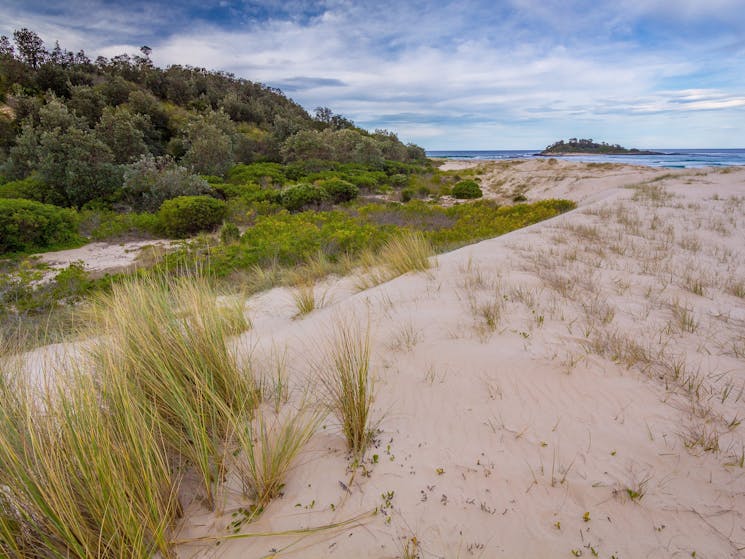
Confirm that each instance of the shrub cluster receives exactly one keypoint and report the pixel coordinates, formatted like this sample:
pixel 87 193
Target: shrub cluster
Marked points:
pixel 186 215
pixel 27 225
pixel 467 189
pixel 300 196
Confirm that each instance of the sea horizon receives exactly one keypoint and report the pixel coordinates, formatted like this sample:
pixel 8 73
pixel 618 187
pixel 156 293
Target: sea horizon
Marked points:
pixel 665 157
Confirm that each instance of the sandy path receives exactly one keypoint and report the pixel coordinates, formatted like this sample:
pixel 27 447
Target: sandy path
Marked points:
pixel 101 257
pixel 599 415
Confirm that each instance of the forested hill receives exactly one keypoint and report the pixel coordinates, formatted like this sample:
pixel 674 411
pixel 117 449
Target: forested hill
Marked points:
pixel 77 125
pixel 574 145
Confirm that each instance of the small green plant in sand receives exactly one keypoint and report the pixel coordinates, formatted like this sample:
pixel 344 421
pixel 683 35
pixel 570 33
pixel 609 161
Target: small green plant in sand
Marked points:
pixel 346 377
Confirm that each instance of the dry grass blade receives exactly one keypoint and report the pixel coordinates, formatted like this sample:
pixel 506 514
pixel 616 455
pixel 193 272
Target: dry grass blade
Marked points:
pixel 304 297
pixel 85 472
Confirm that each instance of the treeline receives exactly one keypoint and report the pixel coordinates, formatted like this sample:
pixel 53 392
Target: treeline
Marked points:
pixel 76 131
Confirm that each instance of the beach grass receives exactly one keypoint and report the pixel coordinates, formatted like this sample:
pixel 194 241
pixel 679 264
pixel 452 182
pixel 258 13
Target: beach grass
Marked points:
pixel 348 382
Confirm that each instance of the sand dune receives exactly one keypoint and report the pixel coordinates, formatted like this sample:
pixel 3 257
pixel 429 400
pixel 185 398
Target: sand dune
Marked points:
pixel 571 389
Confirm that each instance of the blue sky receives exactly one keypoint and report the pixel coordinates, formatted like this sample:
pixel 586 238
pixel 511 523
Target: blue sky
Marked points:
pixel 472 74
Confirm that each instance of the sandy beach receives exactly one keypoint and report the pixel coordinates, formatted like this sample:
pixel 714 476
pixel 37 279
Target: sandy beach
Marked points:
pixel 571 389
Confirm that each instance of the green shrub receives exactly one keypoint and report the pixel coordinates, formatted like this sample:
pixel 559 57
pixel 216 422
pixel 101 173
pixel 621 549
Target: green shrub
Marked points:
pixel 399 180
pixel 152 180
pixel 102 225
pixel 301 196
pixel 265 174
pixel 236 190
pixel 406 195
pixel 467 189
pixel 229 233
pixel 187 215
pixel 25 225
pixel 30 188
pixel 339 190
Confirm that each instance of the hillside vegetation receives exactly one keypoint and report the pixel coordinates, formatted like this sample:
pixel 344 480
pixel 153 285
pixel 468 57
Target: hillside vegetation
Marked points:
pixel 82 131
pixel 573 145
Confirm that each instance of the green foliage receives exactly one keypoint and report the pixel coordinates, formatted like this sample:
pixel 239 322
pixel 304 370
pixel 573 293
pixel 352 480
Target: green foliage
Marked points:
pixel 229 233
pixel 345 146
pixel 186 215
pixel 339 190
pixel 210 143
pixel 152 180
pixel 573 145
pixel 265 174
pixel 485 219
pixel 300 196
pixel 30 188
pixel 467 189
pixel 122 131
pixel 69 158
pixel 290 239
pixel 26 225
pixel 100 225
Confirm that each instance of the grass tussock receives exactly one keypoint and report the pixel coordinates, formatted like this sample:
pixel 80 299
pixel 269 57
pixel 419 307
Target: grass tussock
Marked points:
pixel 346 377
pixel 169 339
pixel 85 473
pixel 92 462
pixel 269 445
pixel 409 252
pixel 304 297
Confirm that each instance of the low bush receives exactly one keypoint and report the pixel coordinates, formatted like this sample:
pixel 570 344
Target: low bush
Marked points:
pixel 339 190
pixel 187 215
pixel 100 225
pixel 265 174
pixel 302 196
pixel 27 225
pixel 30 188
pixel 152 180
pixel 467 189
pixel 229 233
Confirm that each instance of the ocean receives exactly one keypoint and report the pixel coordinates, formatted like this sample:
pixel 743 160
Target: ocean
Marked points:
pixel 672 158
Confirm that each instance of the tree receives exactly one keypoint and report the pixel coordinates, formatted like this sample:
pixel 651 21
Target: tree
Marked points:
pixel 6 49
pixel 122 131
pixel 209 144
pixel 151 180
pixel 30 47
pixel 75 165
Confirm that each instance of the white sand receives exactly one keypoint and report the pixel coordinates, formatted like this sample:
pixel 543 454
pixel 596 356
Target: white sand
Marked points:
pixel 101 257
pixel 497 444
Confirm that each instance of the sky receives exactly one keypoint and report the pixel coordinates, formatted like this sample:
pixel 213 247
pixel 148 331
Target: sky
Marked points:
pixel 471 74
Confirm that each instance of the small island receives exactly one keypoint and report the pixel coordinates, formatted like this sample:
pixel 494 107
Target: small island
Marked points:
pixel 583 147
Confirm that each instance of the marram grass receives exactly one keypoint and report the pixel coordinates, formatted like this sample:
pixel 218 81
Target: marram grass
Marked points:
pixel 346 377
pixel 92 463
pixel 84 470
pixel 170 340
